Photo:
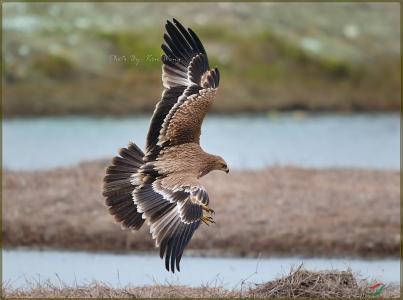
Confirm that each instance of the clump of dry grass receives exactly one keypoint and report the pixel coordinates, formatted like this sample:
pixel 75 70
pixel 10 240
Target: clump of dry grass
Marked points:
pixel 301 283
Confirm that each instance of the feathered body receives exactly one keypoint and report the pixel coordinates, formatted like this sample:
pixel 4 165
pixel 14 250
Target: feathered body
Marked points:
pixel 161 186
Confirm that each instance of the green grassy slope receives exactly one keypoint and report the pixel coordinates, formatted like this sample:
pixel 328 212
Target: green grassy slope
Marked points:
pixel 272 56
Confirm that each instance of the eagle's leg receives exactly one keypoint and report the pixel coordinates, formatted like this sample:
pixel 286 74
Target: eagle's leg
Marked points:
pixel 207 220
pixel 207 209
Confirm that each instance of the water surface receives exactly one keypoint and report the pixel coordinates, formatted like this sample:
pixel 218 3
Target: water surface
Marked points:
pixel 331 140
pixel 23 266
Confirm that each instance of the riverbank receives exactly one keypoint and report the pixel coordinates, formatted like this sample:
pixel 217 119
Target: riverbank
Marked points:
pixel 275 211
pixel 300 283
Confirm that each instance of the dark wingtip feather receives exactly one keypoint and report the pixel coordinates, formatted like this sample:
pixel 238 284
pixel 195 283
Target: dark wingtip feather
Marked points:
pixel 199 44
pixel 176 22
pixel 167 258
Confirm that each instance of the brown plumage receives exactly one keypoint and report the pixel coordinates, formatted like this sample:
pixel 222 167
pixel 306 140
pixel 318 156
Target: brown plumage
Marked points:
pixel 161 186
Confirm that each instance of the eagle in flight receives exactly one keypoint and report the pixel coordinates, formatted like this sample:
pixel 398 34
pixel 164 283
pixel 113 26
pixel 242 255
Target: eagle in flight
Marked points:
pixel 162 185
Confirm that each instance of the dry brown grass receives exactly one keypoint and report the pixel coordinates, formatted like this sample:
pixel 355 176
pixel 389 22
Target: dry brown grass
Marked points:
pixel 102 290
pixel 300 283
pixel 276 211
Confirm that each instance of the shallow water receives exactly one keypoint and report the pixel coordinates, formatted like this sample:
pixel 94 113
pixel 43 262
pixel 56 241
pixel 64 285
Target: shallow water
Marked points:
pixel 330 140
pixel 20 267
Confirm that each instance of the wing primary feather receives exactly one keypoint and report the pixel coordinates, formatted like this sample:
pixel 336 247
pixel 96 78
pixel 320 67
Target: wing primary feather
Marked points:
pixel 177 246
pixel 168 55
pixel 167 256
pixel 178 40
pixel 174 245
pixel 174 240
pixel 189 233
pixel 186 35
pixel 198 43
pixel 169 237
pixel 171 45
pixel 182 245
pixel 175 50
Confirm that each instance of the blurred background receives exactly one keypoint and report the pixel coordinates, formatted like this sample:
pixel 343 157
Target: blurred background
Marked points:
pixel 331 57
pixel 308 108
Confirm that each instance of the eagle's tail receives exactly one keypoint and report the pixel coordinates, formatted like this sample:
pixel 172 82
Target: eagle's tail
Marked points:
pixel 118 188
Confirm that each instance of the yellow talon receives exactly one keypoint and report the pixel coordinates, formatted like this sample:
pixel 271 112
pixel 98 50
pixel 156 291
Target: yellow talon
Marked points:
pixel 208 209
pixel 207 220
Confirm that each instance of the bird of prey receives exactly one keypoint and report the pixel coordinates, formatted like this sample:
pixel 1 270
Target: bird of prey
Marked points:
pixel 162 185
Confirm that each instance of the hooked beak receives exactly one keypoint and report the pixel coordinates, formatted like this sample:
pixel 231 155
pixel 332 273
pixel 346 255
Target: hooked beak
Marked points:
pixel 226 170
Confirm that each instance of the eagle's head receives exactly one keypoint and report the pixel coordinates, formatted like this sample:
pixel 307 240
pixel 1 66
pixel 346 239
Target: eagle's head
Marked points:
pixel 211 163
pixel 221 164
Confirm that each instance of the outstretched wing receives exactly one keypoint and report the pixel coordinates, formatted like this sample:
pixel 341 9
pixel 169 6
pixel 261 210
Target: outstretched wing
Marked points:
pixel 190 86
pixel 173 213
